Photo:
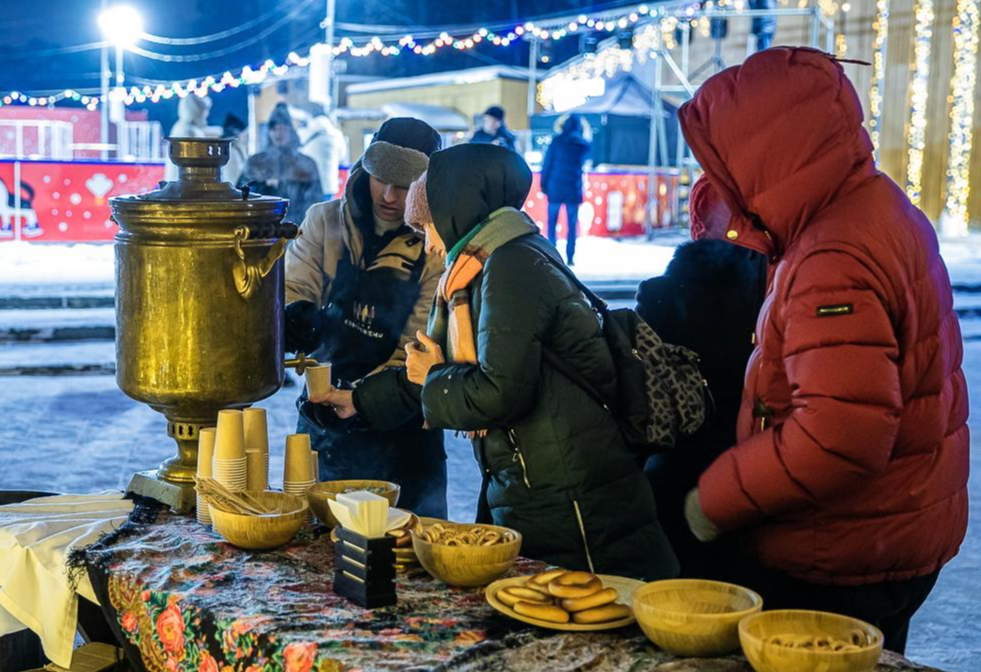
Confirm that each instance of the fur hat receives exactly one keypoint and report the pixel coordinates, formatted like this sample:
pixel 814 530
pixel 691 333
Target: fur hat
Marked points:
pixel 417 213
pixel 399 152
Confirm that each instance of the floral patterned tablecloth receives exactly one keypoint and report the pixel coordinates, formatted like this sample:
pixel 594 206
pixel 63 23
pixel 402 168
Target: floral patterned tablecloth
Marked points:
pixel 184 600
pixel 181 600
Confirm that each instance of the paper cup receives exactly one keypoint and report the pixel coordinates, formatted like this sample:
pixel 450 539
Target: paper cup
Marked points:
pixel 315 465
pixel 257 477
pixel 318 380
pixel 297 467
pixel 230 435
pixel 203 512
pixel 206 452
pixel 255 429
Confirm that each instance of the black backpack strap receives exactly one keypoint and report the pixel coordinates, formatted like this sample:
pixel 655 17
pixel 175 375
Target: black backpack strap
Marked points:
pixel 560 364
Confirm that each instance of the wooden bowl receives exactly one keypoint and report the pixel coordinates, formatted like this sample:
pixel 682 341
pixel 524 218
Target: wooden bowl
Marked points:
pixel 258 533
pixel 467 565
pixel 689 617
pixel 757 633
pixel 318 495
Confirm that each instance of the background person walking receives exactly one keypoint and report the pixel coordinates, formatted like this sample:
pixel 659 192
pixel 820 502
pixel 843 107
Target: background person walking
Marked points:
pixel 562 173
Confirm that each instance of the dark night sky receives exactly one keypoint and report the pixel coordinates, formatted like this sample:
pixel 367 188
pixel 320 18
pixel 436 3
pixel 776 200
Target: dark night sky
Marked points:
pixel 29 28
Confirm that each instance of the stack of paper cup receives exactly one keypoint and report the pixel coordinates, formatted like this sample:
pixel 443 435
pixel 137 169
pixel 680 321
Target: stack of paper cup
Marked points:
pixel 298 468
pixel 230 463
pixel 206 449
pixel 256 448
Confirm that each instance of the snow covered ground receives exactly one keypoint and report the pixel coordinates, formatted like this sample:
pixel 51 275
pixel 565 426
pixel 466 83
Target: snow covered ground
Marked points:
pixel 79 433
pixel 42 266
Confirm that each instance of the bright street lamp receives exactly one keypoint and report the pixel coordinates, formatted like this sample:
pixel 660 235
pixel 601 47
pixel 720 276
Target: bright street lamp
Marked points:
pixel 122 25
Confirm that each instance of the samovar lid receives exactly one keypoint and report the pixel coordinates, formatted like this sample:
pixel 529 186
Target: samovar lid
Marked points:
pixel 199 162
pixel 197 197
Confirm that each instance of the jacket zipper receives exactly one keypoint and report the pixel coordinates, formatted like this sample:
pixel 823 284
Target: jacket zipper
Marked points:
pixel 519 458
pixel 582 531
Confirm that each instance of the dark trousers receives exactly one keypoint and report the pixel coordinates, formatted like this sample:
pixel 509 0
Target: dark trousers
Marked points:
pixel 414 459
pixel 572 217
pixel 888 606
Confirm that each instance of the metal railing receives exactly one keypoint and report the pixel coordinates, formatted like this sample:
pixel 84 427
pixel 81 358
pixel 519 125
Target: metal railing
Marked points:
pixel 139 141
pixel 36 139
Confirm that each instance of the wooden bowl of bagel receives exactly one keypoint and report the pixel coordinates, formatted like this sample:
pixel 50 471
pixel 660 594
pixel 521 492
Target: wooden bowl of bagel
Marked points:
pixel 468 565
pixel 604 614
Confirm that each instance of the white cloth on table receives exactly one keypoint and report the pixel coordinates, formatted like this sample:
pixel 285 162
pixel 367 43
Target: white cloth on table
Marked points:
pixel 36 538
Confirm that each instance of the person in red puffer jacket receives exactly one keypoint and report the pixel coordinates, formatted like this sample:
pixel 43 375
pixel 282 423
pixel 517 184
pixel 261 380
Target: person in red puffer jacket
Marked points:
pixel 848 482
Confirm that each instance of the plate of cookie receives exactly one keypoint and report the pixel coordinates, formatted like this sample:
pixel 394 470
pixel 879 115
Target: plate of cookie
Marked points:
pixel 568 601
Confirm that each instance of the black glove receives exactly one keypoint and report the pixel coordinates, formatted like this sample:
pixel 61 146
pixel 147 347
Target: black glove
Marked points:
pixel 304 327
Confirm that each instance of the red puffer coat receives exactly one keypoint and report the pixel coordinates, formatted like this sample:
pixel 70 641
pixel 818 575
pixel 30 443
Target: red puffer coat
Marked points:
pixel 852 460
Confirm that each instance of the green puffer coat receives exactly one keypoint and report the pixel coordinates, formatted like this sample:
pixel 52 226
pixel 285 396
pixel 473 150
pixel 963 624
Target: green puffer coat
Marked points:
pixel 555 465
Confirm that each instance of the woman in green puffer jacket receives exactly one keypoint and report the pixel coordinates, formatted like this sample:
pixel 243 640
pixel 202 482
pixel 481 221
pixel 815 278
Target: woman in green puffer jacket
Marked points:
pixel 554 463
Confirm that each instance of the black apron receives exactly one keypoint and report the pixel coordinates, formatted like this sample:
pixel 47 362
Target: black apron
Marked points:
pixel 367 313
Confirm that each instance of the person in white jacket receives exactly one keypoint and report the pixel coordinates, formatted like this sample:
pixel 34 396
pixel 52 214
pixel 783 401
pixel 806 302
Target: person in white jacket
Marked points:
pixel 192 122
pixel 323 142
pixel 358 286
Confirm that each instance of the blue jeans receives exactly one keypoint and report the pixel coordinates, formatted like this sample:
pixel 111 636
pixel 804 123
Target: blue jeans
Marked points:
pixel 572 216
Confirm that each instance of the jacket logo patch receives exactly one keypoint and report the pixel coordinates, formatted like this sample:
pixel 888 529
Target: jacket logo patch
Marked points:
pixel 362 318
pixel 839 309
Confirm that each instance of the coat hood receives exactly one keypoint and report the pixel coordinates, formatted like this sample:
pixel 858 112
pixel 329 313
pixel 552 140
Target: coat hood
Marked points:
pixel 281 116
pixel 778 137
pixel 466 183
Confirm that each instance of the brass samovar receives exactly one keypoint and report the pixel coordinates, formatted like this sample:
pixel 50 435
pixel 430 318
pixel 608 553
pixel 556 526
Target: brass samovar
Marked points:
pixel 199 304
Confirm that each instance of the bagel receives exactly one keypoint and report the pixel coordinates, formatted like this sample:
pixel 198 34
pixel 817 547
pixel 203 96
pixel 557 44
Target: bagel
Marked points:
pixel 526 594
pixel 507 598
pixel 542 612
pixel 600 599
pixel 531 585
pixel 545 578
pixel 610 612
pixel 574 585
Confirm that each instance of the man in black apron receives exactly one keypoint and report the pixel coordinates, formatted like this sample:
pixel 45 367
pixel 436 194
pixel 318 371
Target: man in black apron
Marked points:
pixel 358 286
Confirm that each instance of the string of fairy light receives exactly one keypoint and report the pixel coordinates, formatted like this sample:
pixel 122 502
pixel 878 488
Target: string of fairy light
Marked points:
pixel 963 82
pixel 361 47
pixel 880 28
pixel 919 96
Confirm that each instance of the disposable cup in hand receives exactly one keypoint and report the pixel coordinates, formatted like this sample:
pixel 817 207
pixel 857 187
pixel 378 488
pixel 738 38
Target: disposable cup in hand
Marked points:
pixel 256 429
pixel 230 435
pixel 257 477
pixel 318 380
pixel 297 466
pixel 206 451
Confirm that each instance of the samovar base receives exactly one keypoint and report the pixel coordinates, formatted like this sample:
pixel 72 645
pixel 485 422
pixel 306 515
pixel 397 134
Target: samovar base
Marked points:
pixel 172 483
pixel 178 496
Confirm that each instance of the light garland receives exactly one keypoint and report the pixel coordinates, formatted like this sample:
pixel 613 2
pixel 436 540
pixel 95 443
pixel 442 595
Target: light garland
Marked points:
pixel 919 94
pixel 346 47
pixel 966 24
pixel 879 43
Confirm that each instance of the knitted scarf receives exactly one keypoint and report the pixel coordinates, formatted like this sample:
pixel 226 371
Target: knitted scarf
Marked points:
pixel 450 322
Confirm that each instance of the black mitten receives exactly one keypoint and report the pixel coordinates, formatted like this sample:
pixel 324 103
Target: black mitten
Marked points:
pixel 304 327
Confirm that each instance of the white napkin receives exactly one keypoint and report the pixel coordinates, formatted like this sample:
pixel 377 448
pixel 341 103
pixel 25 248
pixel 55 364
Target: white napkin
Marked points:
pixel 36 538
pixel 364 515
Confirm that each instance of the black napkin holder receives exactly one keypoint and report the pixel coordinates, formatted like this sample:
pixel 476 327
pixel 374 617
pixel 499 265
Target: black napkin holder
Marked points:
pixel 364 569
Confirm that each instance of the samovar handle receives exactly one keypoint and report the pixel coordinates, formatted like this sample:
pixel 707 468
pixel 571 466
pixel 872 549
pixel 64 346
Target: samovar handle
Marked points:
pixel 248 276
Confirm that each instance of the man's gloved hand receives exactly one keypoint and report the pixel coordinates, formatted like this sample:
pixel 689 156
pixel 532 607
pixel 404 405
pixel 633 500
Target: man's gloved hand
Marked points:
pixel 304 327
pixel 703 528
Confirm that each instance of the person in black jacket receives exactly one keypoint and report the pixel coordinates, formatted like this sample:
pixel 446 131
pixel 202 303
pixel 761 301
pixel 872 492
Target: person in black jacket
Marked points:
pixel 555 465
pixel 708 301
pixel 562 180
pixel 494 131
